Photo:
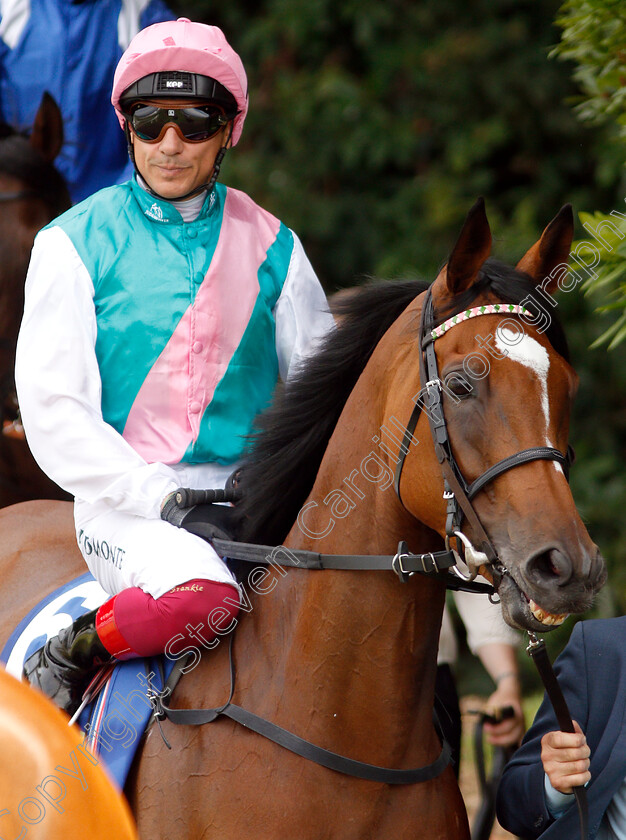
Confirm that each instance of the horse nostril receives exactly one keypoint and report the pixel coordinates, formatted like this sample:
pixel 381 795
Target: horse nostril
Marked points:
pixel 550 566
pixel 598 574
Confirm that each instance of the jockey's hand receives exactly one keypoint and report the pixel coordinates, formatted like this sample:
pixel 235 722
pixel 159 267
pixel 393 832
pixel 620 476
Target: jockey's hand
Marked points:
pixel 565 759
pixel 506 731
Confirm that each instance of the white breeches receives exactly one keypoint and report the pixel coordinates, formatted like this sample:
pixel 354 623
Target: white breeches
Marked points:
pixel 122 550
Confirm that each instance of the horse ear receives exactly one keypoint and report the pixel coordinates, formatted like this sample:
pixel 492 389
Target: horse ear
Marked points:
pixel 47 133
pixel 551 251
pixel 470 251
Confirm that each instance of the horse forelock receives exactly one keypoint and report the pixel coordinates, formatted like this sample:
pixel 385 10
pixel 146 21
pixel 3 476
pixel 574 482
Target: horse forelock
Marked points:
pixel 291 436
pixel 506 284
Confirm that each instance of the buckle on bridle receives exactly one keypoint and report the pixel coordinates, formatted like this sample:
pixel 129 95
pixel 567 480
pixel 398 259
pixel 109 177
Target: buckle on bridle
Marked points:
pixel 396 563
pixel 427 560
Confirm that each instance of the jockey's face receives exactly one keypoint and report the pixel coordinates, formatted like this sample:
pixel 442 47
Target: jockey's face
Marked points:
pixel 173 167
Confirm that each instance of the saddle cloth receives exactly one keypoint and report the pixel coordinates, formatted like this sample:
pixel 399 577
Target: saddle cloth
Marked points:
pixel 115 721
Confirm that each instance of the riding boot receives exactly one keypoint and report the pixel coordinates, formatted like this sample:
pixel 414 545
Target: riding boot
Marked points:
pixel 64 666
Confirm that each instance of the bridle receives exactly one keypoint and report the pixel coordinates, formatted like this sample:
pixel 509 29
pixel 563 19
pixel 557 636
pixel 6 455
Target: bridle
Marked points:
pixel 457 492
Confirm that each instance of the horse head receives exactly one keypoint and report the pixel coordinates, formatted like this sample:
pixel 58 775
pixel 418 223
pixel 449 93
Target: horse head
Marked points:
pixel 32 192
pixel 505 389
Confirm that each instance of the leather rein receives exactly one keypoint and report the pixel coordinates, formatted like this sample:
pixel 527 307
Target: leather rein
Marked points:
pixel 458 495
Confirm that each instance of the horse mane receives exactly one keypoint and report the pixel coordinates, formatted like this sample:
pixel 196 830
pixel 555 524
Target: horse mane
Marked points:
pixel 19 159
pixel 291 436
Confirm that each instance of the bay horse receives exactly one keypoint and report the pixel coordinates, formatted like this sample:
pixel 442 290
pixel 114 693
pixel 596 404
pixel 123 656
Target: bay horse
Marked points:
pixel 56 790
pixel 32 192
pixel 347 659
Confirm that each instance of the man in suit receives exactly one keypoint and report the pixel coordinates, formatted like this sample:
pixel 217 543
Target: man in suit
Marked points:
pixel 535 797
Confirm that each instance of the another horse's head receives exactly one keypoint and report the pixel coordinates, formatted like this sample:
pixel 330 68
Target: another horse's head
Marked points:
pixel 32 192
pixel 505 387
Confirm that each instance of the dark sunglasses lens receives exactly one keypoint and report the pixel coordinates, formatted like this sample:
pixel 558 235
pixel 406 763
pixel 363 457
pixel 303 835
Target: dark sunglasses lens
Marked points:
pixel 195 124
pixel 199 123
pixel 146 122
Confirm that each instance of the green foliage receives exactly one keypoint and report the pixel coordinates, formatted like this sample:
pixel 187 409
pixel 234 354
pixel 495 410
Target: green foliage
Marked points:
pixel 373 127
pixel 605 254
pixel 594 38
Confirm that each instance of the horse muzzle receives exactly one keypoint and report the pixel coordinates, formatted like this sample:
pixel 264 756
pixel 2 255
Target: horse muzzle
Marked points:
pixel 540 592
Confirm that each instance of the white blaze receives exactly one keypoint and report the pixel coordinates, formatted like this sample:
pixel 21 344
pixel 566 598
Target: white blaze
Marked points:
pixel 529 352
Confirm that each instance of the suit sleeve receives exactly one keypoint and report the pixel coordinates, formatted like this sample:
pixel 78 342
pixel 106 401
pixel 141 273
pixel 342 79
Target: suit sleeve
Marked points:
pixel 521 803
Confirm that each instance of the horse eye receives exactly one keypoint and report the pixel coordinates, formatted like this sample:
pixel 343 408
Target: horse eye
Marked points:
pixel 459 385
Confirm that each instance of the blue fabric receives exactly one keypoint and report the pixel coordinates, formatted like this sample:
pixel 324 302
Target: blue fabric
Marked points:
pixel 116 720
pixel 592 673
pixel 71 50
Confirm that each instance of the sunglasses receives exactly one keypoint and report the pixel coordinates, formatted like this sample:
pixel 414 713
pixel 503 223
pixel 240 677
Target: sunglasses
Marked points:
pixel 194 125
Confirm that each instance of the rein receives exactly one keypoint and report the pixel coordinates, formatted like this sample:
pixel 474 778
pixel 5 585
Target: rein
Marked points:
pixel 403 562
pixel 291 742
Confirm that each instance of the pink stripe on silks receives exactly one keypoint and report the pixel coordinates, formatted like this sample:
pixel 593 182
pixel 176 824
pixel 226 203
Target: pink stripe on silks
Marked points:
pixel 166 414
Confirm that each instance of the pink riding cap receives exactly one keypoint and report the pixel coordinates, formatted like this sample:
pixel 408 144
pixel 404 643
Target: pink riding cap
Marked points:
pixel 187 47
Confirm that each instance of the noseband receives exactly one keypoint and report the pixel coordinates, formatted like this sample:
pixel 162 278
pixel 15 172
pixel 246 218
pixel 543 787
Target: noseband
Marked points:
pixel 457 492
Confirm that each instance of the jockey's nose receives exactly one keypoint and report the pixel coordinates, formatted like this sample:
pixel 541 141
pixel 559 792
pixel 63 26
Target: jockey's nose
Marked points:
pixel 171 142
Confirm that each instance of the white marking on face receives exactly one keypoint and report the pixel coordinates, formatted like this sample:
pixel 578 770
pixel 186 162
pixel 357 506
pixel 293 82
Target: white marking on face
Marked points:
pixel 530 353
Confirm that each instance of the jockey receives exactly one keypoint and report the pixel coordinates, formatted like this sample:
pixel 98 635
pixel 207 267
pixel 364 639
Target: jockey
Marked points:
pixel 159 315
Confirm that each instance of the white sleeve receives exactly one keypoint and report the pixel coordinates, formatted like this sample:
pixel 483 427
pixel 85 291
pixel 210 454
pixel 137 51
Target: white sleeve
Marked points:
pixel 59 389
pixel 301 313
pixel 483 621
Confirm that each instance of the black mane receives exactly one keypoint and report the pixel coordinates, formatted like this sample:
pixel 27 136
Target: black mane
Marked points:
pixel 292 435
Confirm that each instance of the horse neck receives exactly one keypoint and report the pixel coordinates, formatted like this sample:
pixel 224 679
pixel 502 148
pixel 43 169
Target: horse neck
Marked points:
pixel 356 637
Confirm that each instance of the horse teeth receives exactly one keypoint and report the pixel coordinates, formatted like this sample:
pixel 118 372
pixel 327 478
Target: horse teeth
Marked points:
pixel 544 617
